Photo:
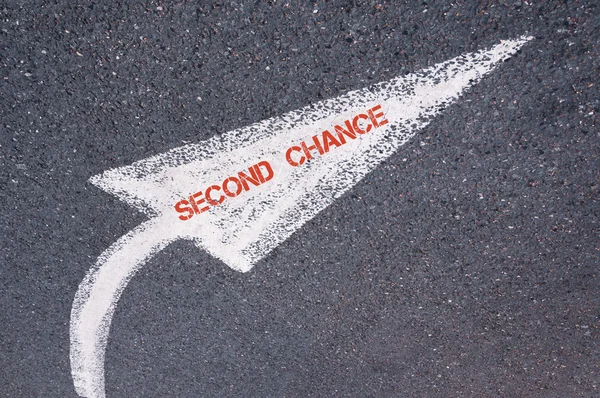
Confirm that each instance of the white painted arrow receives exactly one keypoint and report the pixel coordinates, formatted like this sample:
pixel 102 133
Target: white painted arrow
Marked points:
pixel 240 220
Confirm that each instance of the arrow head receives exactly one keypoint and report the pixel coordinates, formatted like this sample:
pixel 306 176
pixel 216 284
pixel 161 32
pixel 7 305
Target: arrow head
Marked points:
pixel 243 228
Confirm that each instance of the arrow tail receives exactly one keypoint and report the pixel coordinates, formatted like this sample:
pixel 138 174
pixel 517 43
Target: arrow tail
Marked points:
pixel 97 297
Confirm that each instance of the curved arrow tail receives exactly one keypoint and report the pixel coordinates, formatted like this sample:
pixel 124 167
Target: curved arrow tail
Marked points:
pixel 96 299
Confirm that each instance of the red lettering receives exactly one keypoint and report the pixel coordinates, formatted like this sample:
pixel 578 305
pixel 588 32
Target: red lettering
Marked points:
pixel 341 132
pixel 307 150
pixel 295 155
pixel 328 140
pixel 269 169
pixel 183 207
pixel 226 187
pixel 318 144
pixel 288 156
pixel 211 200
pixel 195 201
pixel 374 116
pixel 253 178
pixel 357 127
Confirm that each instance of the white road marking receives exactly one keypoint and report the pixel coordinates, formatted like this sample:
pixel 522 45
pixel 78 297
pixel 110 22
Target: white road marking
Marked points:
pixel 197 192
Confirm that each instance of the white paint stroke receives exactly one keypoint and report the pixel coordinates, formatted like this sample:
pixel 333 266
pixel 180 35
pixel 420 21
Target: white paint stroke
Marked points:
pixel 97 297
pixel 242 230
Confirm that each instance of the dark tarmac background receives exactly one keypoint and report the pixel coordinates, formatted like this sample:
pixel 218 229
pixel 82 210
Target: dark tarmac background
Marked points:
pixel 466 265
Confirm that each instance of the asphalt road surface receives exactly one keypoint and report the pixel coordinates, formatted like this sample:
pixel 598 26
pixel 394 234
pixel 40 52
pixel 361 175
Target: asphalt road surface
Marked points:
pixel 465 265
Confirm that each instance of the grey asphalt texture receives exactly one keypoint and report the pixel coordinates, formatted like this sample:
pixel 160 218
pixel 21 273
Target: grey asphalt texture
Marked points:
pixel 466 265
